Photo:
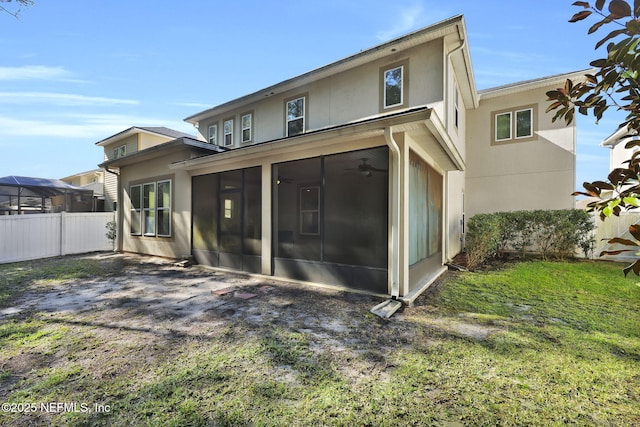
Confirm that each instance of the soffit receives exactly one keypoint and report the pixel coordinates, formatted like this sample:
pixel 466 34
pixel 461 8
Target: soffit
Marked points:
pixel 523 86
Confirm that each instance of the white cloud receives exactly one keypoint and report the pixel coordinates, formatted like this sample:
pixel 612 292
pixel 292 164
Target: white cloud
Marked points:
pixel 33 72
pixel 193 104
pixel 405 21
pixel 61 99
pixel 86 126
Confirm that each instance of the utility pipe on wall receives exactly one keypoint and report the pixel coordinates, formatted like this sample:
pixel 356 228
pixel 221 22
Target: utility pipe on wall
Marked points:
pixel 395 212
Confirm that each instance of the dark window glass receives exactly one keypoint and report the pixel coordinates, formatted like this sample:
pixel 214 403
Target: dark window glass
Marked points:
pixel 393 87
pixel 524 127
pixel 295 116
pixel 136 211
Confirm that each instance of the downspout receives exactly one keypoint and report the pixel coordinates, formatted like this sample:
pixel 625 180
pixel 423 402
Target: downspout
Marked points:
pixel 446 121
pixel 446 86
pixel 395 212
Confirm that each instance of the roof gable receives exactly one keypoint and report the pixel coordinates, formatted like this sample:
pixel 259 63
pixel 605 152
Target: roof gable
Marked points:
pixel 453 26
pixel 157 130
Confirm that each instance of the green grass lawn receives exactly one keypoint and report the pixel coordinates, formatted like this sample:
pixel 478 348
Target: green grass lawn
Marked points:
pixel 534 343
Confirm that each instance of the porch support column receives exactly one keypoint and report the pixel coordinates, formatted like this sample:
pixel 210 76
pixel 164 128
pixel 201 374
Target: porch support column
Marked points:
pixel 267 229
pixel 404 215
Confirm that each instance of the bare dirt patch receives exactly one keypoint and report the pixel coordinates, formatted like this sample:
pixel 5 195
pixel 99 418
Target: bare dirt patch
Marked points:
pixel 144 310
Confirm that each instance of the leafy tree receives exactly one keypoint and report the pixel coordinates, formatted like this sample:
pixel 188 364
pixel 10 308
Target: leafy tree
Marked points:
pixel 614 83
pixel 16 12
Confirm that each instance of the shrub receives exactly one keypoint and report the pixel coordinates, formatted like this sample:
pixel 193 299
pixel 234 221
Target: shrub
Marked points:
pixel 556 233
pixel 483 238
pixel 112 229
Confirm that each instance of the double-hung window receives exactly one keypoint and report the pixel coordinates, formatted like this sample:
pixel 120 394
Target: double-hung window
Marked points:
pixel 151 209
pixel 514 125
pixel 213 134
pixel 310 211
pixel 163 208
pixel 246 121
pixel 295 116
pixel 228 132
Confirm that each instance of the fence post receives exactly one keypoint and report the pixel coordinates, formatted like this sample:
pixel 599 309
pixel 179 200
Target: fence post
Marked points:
pixel 63 233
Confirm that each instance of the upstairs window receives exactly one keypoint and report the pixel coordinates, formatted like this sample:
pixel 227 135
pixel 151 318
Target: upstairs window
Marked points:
pixel 213 134
pixel 120 152
pixel 394 84
pixel 393 87
pixel 295 116
pixel 503 126
pixel 456 107
pixel 247 124
pixel 524 123
pixel 228 132
pixel 515 125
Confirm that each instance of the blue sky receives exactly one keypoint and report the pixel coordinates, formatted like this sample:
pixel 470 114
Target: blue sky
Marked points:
pixel 74 72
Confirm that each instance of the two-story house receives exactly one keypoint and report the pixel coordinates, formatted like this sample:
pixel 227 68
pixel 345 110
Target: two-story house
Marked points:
pixel 127 143
pixel 356 174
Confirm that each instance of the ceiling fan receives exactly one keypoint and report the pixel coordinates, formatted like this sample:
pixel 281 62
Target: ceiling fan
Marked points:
pixel 366 169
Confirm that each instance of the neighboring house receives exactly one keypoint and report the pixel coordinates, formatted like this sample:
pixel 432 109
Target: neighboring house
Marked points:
pixel 91 180
pixel 356 174
pixel 128 142
pixel 517 158
pixel 617 142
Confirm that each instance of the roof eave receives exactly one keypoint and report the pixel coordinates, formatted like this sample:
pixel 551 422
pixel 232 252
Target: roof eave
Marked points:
pixel 128 132
pixel 526 85
pixel 374 125
pixel 160 149
pixel 407 41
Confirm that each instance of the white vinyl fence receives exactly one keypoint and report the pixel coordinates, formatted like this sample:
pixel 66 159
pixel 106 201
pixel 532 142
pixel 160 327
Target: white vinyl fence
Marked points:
pixel 615 226
pixel 34 236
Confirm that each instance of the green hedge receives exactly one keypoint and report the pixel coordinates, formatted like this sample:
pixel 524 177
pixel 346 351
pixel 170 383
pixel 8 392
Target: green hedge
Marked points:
pixel 550 233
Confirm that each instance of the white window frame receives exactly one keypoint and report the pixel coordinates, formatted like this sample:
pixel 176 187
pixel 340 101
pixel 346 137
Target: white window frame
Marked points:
pixel 137 210
pixel 225 133
pixel 213 134
pixel 301 117
pixel 246 128
pixel 384 82
pixel 120 151
pixel 515 123
pixel 148 211
pixel 495 136
pixel 513 114
pixel 143 210
pixel 163 208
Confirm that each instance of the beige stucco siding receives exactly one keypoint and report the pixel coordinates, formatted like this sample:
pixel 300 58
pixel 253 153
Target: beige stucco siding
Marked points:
pixel 343 98
pixel 529 174
pixel 179 244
